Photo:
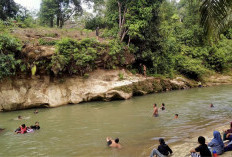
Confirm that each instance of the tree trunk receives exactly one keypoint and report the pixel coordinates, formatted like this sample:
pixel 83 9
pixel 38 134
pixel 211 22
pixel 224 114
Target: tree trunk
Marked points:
pixel 57 21
pixel 51 22
pixel 61 21
pixel 122 20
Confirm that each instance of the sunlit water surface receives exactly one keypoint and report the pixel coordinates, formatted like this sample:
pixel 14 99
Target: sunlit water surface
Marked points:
pixel 80 130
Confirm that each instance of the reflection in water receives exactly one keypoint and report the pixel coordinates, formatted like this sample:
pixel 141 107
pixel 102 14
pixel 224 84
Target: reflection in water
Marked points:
pixel 80 130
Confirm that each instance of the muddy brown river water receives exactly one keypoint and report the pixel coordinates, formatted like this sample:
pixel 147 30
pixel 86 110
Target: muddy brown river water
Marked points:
pixel 80 130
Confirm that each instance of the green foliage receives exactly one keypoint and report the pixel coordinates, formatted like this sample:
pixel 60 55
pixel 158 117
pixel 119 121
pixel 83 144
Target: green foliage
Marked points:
pixel 86 76
pixel 74 57
pixel 8 9
pixel 9 45
pixel 116 53
pixel 95 22
pixel 121 76
pixel 220 55
pixel 60 10
pixel 190 67
pixel 7 65
pixel 47 42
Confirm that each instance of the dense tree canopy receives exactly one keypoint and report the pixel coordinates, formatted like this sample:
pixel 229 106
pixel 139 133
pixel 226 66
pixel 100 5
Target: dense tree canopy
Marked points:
pixel 62 10
pixel 8 8
pixel 165 36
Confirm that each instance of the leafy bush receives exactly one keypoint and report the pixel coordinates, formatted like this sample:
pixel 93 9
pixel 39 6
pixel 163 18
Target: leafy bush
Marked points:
pixel 74 57
pixel 116 53
pixel 47 42
pixel 95 22
pixel 9 48
pixel 121 76
pixel 9 45
pixel 220 55
pixel 190 67
pixel 7 65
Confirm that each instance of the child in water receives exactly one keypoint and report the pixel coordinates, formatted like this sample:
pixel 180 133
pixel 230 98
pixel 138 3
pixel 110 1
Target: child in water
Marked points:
pixel 176 116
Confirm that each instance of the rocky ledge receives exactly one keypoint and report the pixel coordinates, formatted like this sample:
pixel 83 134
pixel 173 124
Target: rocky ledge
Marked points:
pixel 104 85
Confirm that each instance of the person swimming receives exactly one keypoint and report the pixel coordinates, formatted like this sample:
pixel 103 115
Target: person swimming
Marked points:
pixel 36 126
pixel 113 143
pixel 211 105
pixel 36 112
pixel 155 111
pixel 22 129
pixel 176 116
pixel 2 129
pixel 162 107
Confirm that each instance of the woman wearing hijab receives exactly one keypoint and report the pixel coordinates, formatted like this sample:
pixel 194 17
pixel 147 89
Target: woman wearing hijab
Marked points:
pixel 217 144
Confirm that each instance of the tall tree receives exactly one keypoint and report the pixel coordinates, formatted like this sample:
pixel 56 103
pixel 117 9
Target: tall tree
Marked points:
pixel 48 11
pixel 67 9
pixel 216 15
pixel 62 10
pixel 8 8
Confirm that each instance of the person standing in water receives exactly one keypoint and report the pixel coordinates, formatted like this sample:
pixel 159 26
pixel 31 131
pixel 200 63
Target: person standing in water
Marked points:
pixel 162 107
pixel 155 111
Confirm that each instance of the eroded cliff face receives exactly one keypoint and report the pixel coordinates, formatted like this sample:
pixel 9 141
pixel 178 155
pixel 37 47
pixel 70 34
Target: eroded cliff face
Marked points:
pixel 105 85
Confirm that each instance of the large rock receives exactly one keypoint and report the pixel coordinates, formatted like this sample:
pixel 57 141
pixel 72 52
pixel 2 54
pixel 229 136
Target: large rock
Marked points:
pixel 101 85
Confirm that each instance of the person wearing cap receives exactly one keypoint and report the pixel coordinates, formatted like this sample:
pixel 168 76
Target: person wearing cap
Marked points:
pixel 162 151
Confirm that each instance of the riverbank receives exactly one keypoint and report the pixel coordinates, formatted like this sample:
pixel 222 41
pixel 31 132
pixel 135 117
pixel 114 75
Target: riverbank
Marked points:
pixel 100 85
pixel 182 149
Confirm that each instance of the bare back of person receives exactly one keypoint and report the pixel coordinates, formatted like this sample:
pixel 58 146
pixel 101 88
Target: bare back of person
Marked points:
pixel 155 112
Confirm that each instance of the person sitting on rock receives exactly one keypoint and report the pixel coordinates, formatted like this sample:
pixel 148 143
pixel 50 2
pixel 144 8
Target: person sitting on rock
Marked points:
pixel 162 151
pixel 113 143
pixel 202 149
pixel 216 144
pixel 227 134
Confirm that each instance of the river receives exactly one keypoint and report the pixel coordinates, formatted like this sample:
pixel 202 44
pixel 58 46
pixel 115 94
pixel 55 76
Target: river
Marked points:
pixel 80 130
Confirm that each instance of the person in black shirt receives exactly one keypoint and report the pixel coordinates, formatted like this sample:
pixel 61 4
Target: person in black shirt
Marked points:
pixel 202 149
pixel 162 151
pixel 36 126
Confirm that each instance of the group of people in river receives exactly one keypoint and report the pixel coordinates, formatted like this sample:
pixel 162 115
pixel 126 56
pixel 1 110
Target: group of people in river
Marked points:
pixel 22 129
pixel 156 110
pixel 215 147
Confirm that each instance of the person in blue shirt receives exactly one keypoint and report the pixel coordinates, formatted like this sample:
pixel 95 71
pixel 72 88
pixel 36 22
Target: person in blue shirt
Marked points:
pixel 217 144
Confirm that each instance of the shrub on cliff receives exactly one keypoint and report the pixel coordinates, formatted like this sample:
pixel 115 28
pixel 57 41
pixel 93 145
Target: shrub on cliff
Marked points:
pixel 9 50
pixel 74 57
pixel 7 65
pixel 190 67
pixel 9 45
